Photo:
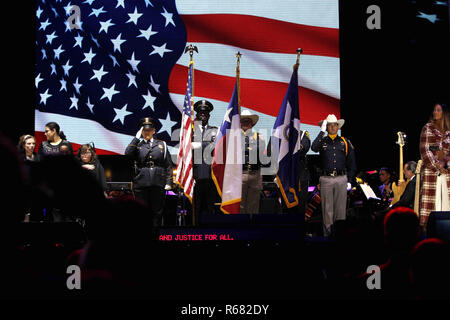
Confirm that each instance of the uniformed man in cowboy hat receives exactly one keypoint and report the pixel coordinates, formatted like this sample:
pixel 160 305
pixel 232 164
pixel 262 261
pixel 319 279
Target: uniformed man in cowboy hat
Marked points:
pixel 205 192
pixel 253 145
pixel 337 156
pixel 153 168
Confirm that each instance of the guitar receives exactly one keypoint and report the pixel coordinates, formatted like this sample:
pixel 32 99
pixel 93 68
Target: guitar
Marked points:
pixel 399 187
pixel 417 194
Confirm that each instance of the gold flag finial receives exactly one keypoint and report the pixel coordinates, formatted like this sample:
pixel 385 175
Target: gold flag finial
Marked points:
pixel 297 63
pixel 238 80
pixel 191 48
pixel 238 56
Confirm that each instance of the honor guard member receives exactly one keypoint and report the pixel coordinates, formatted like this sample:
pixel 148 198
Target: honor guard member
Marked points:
pixel 153 168
pixel 253 144
pixel 302 194
pixel 205 192
pixel 337 156
pixel 304 177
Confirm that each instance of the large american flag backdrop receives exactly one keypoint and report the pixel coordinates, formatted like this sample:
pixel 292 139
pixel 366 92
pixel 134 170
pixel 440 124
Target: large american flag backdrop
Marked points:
pixel 127 61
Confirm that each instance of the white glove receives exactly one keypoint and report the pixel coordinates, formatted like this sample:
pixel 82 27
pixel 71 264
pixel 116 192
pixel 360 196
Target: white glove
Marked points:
pixel 139 133
pixel 349 186
pixel 167 187
pixel 323 128
pixel 196 145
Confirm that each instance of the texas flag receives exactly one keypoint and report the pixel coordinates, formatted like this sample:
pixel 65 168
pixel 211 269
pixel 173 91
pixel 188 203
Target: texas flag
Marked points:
pixel 227 162
pixel 286 143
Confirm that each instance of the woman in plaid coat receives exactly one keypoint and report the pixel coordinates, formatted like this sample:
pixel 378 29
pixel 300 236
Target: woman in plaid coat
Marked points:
pixel 435 154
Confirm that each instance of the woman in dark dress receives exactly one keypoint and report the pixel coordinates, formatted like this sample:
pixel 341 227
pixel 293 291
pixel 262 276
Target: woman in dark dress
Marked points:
pixel 55 145
pixel 56 141
pixel 89 161
pixel 26 147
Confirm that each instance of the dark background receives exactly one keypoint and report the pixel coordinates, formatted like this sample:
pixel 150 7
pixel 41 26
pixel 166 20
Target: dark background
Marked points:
pixel 390 77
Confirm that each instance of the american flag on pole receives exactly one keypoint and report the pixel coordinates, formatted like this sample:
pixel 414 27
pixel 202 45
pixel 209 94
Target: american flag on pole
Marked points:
pixel 184 175
pixel 126 62
pixel 267 33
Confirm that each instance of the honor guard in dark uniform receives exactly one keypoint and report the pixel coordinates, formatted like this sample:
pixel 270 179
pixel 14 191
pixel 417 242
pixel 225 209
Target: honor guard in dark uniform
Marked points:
pixel 205 192
pixel 153 168
pixel 304 176
pixel 254 145
pixel 337 156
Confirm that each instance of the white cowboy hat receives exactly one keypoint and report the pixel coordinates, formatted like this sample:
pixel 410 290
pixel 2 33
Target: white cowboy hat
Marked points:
pixel 245 114
pixel 332 119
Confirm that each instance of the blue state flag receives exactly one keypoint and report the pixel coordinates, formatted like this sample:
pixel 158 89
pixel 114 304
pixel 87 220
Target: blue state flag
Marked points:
pixel 285 143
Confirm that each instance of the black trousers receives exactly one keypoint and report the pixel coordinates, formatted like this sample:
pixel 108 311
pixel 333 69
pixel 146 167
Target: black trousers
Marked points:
pixel 205 195
pixel 303 196
pixel 154 197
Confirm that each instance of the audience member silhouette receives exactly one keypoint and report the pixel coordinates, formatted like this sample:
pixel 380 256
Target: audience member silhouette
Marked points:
pixel 429 272
pixel 15 203
pixel 73 191
pixel 120 259
pixel 401 233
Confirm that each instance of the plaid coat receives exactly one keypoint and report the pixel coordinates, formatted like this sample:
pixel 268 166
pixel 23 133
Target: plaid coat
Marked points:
pixel 431 136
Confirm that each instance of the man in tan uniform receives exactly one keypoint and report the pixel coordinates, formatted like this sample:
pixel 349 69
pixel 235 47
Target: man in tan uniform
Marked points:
pixel 253 144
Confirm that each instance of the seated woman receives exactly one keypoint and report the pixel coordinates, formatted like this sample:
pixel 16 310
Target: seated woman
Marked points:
pixel 89 161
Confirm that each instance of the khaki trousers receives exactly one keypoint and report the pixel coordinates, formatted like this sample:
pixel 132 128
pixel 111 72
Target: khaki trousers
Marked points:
pixel 333 192
pixel 251 188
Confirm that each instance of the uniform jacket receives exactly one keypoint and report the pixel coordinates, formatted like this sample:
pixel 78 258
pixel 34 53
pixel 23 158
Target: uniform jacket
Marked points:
pixel 207 138
pixel 337 154
pixel 303 164
pixel 153 166
pixel 431 137
pixel 253 145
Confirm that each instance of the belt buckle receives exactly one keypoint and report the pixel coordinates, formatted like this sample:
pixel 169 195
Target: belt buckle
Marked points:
pixel 151 164
pixel 334 173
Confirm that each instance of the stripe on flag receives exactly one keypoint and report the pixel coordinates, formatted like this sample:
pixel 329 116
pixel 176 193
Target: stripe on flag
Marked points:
pixel 184 176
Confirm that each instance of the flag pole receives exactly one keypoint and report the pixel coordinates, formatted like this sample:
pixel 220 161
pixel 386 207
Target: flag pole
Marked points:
pixel 296 66
pixel 297 63
pixel 191 48
pixel 238 81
